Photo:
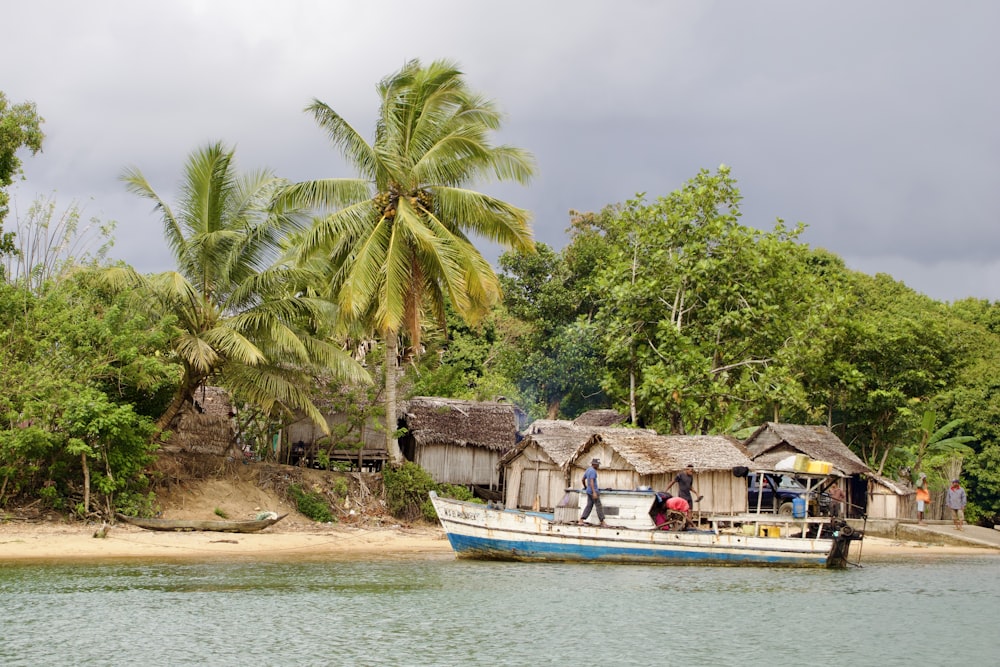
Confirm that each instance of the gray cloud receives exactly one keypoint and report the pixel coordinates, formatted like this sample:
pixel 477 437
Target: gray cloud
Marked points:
pixel 873 123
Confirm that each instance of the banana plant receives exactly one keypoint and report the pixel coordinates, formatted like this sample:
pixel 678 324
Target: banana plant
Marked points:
pixel 937 442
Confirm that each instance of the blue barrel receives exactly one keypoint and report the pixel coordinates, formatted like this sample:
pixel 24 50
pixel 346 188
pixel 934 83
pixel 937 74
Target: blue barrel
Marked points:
pixel 799 507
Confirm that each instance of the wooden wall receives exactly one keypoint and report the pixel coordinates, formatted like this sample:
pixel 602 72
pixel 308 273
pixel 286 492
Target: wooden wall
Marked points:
pixel 448 464
pixel 531 474
pixel 723 492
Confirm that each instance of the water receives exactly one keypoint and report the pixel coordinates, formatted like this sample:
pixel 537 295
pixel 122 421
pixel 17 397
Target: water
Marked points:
pixel 440 611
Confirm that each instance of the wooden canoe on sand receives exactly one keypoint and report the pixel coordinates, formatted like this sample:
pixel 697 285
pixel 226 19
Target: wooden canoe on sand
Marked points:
pixel 248 526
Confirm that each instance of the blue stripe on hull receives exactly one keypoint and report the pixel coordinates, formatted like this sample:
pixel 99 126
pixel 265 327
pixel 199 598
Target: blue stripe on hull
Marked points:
pixel 522 550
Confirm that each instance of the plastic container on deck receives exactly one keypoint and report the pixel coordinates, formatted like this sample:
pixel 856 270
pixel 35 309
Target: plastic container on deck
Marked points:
pixel 799 507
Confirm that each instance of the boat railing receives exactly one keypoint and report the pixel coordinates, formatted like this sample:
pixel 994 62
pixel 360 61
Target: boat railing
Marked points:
pixel 768 525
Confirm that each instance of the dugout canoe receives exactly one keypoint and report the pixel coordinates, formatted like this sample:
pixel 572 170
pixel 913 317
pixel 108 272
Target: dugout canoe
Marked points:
pixel 247 526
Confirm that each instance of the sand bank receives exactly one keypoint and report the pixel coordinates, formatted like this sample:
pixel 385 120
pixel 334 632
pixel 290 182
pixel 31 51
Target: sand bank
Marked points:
pixel 48 542
pixel 76 542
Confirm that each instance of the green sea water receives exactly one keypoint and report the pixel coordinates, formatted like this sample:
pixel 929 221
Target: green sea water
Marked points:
pixel 442 611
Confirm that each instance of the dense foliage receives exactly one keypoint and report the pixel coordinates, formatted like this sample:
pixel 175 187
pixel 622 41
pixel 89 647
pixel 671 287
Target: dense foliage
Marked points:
pixel 670 310
pixel 81 379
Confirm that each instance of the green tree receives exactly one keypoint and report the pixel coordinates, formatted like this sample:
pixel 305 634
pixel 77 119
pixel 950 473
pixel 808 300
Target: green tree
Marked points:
pixel 242 318
pixel 20 127
pixel 73 362
pixel 396 238
pixel 558 362
pixel 902 349
pixel 704 321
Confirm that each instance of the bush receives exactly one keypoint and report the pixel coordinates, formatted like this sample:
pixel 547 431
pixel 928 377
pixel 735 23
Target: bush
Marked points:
pixel 406 490
pixel 311 504
pixel 132 503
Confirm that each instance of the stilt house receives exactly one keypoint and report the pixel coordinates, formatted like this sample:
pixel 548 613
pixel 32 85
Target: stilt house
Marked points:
pixel 867 493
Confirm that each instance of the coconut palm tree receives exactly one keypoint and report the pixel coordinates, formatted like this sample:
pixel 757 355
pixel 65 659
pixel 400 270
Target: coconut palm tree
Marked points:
pixel 396 238
pixel 242 320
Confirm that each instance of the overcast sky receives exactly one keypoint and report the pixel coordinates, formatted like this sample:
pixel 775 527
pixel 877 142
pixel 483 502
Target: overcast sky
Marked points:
pixel 876 124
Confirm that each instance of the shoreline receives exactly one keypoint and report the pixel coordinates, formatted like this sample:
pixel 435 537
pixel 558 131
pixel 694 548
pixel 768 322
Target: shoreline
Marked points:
pixel 55 543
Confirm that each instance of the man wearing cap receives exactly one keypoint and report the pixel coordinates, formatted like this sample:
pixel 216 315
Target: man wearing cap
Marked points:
pixel 956 503
pixel 593 493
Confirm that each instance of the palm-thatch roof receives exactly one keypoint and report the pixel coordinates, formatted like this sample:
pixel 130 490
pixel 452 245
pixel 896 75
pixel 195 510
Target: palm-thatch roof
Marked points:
pixel 600 418
pixel 449 421
pixel 560 440
pixel 203 426
pixel 773 442
pixel 652 454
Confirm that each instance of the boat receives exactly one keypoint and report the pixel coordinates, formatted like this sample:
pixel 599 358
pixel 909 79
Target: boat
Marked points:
pixel 247 526
pixel 630 535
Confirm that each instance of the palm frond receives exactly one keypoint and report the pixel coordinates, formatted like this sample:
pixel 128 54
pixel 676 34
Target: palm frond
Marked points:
pixel 487 216
pixel 325 193
pixel 351 144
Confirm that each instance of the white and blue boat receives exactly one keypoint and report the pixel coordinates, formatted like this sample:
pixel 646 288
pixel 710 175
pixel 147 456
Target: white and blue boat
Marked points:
pixel 630 535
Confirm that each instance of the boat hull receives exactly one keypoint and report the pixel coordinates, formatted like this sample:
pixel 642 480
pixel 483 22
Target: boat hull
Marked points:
pixel 476 531
pixel 251 526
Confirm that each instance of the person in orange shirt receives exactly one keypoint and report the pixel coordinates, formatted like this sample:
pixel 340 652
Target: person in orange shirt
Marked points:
pixel 923 498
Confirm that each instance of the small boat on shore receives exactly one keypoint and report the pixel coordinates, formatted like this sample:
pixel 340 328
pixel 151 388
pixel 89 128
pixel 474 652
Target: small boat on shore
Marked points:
pixel 630 536
pixel 247 526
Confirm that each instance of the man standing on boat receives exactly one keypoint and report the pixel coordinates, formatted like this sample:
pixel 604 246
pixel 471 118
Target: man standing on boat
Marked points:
pixel 593 493
pixel 685 485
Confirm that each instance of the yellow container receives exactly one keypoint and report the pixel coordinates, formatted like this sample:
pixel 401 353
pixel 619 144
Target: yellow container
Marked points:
pixel 770 531
pixel 801 463
pixel 819 467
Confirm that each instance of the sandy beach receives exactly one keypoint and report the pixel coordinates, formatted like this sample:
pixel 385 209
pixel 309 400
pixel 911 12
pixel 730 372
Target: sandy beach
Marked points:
pixel 73 542
pixel 58 542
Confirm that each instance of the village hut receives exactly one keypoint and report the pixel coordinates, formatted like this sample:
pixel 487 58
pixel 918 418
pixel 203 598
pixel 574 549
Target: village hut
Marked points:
pixel 459 442
pixel 362 449
pixel 866 492
pixel 633 459
pixel 889 500
pixel 204 426
pixel 536 471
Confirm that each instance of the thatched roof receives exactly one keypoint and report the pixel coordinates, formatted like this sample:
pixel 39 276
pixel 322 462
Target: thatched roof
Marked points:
pixel 600 418
pixel 560 440
pixel 652 454
pixel 449 421
pixel 773 442
pixel 203 426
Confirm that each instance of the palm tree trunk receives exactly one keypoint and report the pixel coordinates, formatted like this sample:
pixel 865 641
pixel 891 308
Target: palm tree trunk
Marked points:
pixel 391 370
pixel 184 392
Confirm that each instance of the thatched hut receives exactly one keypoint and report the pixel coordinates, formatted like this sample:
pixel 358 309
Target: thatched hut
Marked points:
pixel 890 500
pixel 364 449
pixel 866 492
pixel 633 459
pixel 456 441
pixel 204 426
pixel 536 471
